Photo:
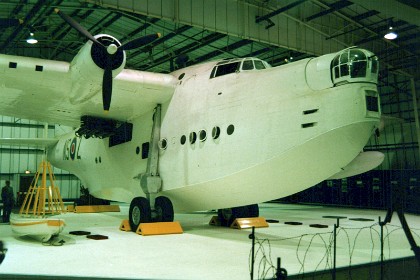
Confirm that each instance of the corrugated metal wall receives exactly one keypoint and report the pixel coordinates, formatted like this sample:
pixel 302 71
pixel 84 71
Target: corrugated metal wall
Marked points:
pixel 398 141
pixel 15 161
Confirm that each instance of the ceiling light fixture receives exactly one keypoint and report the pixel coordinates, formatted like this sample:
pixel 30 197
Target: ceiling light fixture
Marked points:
pixel 391 34
pixel 31 39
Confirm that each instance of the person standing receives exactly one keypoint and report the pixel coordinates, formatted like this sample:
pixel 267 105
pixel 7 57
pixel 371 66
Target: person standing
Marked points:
pixel 8 201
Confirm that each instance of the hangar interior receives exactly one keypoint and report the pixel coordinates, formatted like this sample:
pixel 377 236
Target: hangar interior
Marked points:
pixel 276 31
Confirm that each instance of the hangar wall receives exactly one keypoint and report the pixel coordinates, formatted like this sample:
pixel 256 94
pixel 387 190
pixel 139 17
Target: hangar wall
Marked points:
pixel 15 161
pixel 399 139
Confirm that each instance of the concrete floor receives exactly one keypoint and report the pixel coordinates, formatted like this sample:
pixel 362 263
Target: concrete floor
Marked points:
pixel 208 252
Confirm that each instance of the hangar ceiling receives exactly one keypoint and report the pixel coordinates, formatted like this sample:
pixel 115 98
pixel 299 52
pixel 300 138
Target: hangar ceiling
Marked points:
pixel 200 30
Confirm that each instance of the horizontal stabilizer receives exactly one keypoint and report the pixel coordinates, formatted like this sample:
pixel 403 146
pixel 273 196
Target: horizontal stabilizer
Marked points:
pixel 29 142
pixel 364 162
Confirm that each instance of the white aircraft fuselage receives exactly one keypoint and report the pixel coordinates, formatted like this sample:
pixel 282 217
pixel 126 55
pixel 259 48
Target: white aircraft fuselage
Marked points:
pixel 233 138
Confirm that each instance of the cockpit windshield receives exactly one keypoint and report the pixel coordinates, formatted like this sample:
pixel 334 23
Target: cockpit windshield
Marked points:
pixel 238 65
pixel 355 65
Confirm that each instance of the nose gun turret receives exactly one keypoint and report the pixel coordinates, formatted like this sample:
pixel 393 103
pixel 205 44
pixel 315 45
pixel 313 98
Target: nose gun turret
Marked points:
pixel 347 66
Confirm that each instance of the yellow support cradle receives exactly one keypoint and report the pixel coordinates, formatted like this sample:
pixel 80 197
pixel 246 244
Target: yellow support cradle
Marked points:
pixel 40 199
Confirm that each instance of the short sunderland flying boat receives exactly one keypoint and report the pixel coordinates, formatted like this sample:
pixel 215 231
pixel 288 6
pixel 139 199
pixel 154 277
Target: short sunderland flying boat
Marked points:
pixel 224 134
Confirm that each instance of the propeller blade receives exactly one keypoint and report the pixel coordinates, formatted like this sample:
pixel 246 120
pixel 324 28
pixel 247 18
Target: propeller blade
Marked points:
pixel 77 26
pixel 140 41
pixel 107 85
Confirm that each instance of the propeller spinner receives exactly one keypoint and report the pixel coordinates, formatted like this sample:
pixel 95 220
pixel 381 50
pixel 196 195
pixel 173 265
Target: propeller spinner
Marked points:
pixel 111 51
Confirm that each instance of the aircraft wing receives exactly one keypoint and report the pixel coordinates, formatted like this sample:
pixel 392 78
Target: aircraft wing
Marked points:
pixel 29 142
pixel 39 89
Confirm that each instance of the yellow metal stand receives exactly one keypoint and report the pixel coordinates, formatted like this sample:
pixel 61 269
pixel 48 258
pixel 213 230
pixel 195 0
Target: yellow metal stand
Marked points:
pixel 159 228
pixel 215 221
pixel 243 223
pixel 96 208
pixel 40 199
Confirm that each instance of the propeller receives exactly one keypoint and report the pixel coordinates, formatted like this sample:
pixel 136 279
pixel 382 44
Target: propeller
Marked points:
pixel 111 50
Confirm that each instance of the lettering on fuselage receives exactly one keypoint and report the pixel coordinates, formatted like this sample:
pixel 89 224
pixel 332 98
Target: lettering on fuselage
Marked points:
pixel 71 149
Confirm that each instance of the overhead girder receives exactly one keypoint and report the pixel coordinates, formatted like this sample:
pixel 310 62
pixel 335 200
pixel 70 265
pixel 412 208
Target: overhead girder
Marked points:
pixel 148 22
pixel 395 9
pixel 365 15
pixel 259 52
pixel 215 53
pixel 29 15
pixel 332 8
pixel 184 50
pixel 162 39
pixel 235 18
pixel 99 27
pixel 283 9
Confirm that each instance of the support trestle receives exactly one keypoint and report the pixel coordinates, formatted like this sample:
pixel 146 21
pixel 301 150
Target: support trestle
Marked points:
pixel 396 205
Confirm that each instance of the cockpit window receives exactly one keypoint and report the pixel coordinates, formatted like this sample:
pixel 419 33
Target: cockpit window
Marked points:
pixel 251 64
pixel 259 64
pixel 247 65
pixel 225 69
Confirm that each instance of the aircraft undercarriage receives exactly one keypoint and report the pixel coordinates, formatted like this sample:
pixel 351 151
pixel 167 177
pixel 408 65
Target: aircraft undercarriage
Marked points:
pixel 151 208
pixel 141 211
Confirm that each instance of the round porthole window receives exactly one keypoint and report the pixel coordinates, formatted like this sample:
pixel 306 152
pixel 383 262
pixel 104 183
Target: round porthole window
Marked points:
pixel 183 139
pixel 230 129
pixel 138 150
pixel 202 134
pixel 193 137
pixel 163 144
pixel 181 76
pixel 215 133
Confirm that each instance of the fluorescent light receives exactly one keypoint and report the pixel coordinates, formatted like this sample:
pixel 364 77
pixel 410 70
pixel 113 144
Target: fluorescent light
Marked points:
pixel 391 35
pixel 31 39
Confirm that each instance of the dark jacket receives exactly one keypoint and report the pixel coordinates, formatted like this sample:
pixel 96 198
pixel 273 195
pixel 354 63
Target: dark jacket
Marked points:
pixel 7 196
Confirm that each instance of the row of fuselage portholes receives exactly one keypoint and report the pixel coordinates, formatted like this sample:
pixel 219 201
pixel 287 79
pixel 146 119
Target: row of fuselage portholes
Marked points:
pixel 201 136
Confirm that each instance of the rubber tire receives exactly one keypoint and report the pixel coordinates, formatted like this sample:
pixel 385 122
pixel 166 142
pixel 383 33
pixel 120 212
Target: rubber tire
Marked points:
pixel 236 212
pixel 223 216
pixel 165 209
pixel 253 211
pixel 140 206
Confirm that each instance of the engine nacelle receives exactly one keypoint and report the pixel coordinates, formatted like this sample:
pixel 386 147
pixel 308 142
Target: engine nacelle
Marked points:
pixel 87 68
